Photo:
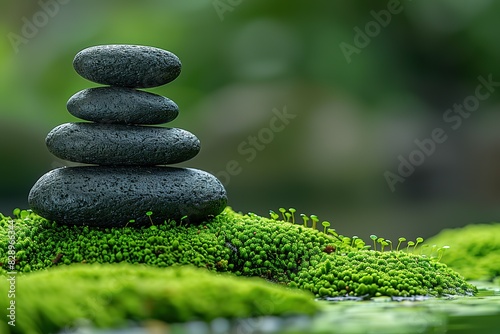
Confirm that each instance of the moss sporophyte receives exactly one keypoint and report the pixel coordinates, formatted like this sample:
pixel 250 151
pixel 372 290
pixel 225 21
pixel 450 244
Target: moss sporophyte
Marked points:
pixel 321 261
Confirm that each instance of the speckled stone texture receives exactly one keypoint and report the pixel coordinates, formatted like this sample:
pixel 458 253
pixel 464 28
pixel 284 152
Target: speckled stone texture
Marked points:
pixel 122 105
pixel 132 66
pixel 114 144
pixel 112 196
pixel 129 180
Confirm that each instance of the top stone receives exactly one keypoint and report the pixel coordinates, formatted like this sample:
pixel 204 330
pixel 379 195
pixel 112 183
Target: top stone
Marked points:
pixel 132 66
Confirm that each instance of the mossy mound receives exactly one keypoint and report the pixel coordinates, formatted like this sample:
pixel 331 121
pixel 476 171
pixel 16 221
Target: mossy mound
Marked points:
pixel 112 295
pixel 369 273
pixel 247 245
pixel 474 250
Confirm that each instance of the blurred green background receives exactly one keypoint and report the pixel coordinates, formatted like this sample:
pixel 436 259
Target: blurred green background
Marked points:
pixel 242 59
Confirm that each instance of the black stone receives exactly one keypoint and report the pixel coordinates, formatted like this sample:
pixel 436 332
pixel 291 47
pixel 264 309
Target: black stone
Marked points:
pixel 116 144
pixel 112 196
pixel 132 66
pixel 122 106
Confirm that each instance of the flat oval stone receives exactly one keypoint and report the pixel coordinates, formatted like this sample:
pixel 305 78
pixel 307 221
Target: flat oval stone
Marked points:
pixel 116 144
pixel 122 105
pixel 134 66
pixel 112 196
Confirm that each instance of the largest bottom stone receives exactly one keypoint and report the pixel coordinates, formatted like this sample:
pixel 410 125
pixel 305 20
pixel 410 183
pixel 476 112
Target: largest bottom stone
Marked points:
pixel 113 196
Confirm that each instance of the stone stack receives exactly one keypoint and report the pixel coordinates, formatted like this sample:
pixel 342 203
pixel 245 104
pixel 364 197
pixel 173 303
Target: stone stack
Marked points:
pixel 128 178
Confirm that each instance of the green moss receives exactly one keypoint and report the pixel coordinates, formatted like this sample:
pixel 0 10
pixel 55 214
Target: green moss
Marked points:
pixel 381 274
pixel 474 250
pixel 247 245
pixel 112 294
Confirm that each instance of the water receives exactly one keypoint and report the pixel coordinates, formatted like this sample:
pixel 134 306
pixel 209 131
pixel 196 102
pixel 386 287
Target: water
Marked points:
pixel 452 315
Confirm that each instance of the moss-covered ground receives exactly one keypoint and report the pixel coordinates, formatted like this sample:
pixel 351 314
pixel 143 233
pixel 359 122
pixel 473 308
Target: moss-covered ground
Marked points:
pixel 119 295
pixel 474 250
pixel 246 245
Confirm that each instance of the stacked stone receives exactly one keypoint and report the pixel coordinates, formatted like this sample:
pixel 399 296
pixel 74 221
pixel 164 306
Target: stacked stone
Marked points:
pixel 128 178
